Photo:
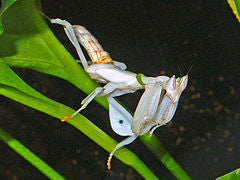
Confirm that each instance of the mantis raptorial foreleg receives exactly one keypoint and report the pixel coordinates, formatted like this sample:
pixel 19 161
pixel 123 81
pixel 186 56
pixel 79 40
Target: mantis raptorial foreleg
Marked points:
pixel 164 113
pixel 146 108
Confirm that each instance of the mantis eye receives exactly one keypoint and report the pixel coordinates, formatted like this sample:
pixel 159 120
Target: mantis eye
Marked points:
pixel 178 80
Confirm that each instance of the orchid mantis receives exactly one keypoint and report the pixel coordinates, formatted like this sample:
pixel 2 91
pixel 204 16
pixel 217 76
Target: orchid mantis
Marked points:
pixel 104 70
pixel 157 104
pixel 155 108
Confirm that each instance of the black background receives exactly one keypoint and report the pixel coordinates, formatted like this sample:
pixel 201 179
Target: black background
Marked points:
pixel 152 37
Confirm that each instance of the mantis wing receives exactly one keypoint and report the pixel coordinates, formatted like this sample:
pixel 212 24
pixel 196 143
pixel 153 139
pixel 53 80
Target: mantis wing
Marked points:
pixel 146 109
pixel 120 118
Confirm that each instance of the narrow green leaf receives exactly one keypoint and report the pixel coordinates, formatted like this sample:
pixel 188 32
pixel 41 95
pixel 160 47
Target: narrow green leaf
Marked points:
pixel 234 175
pixel 161 153
pixel 5 5
pixel 235 5
pixel 29 156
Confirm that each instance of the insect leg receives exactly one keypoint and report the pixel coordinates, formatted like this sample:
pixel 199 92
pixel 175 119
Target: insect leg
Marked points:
pixel 68 28
pixel 146 108
pixel 88 99
pixel 164 113
pixel 119 145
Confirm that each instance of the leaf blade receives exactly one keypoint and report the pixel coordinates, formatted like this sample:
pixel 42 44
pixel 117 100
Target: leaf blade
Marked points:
pixel 234 175
pixel 5 5
pixel 29 156
pixel 235 5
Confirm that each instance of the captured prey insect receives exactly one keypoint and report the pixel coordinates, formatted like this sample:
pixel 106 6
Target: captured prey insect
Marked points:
pixel 104 70
pixel 155 108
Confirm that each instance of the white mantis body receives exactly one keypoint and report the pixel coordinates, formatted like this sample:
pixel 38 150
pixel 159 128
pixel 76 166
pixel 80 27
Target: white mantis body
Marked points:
pixel 157 104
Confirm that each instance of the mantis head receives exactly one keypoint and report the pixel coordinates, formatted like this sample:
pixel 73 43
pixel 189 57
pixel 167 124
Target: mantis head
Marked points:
pixel 175 87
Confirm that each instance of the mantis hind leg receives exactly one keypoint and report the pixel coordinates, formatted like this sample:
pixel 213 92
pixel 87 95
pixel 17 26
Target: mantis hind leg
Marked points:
pixel 85 102
pixel 88 99
pixel 119 145
pixel 68 28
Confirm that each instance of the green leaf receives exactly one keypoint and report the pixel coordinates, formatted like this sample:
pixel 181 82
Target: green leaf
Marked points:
pixel 234 175
pixel 5 5
pixel 235 5
pixel 29 156
pixel 161 153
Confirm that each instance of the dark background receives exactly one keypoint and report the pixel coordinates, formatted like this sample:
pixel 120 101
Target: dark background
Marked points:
pixel 152 37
